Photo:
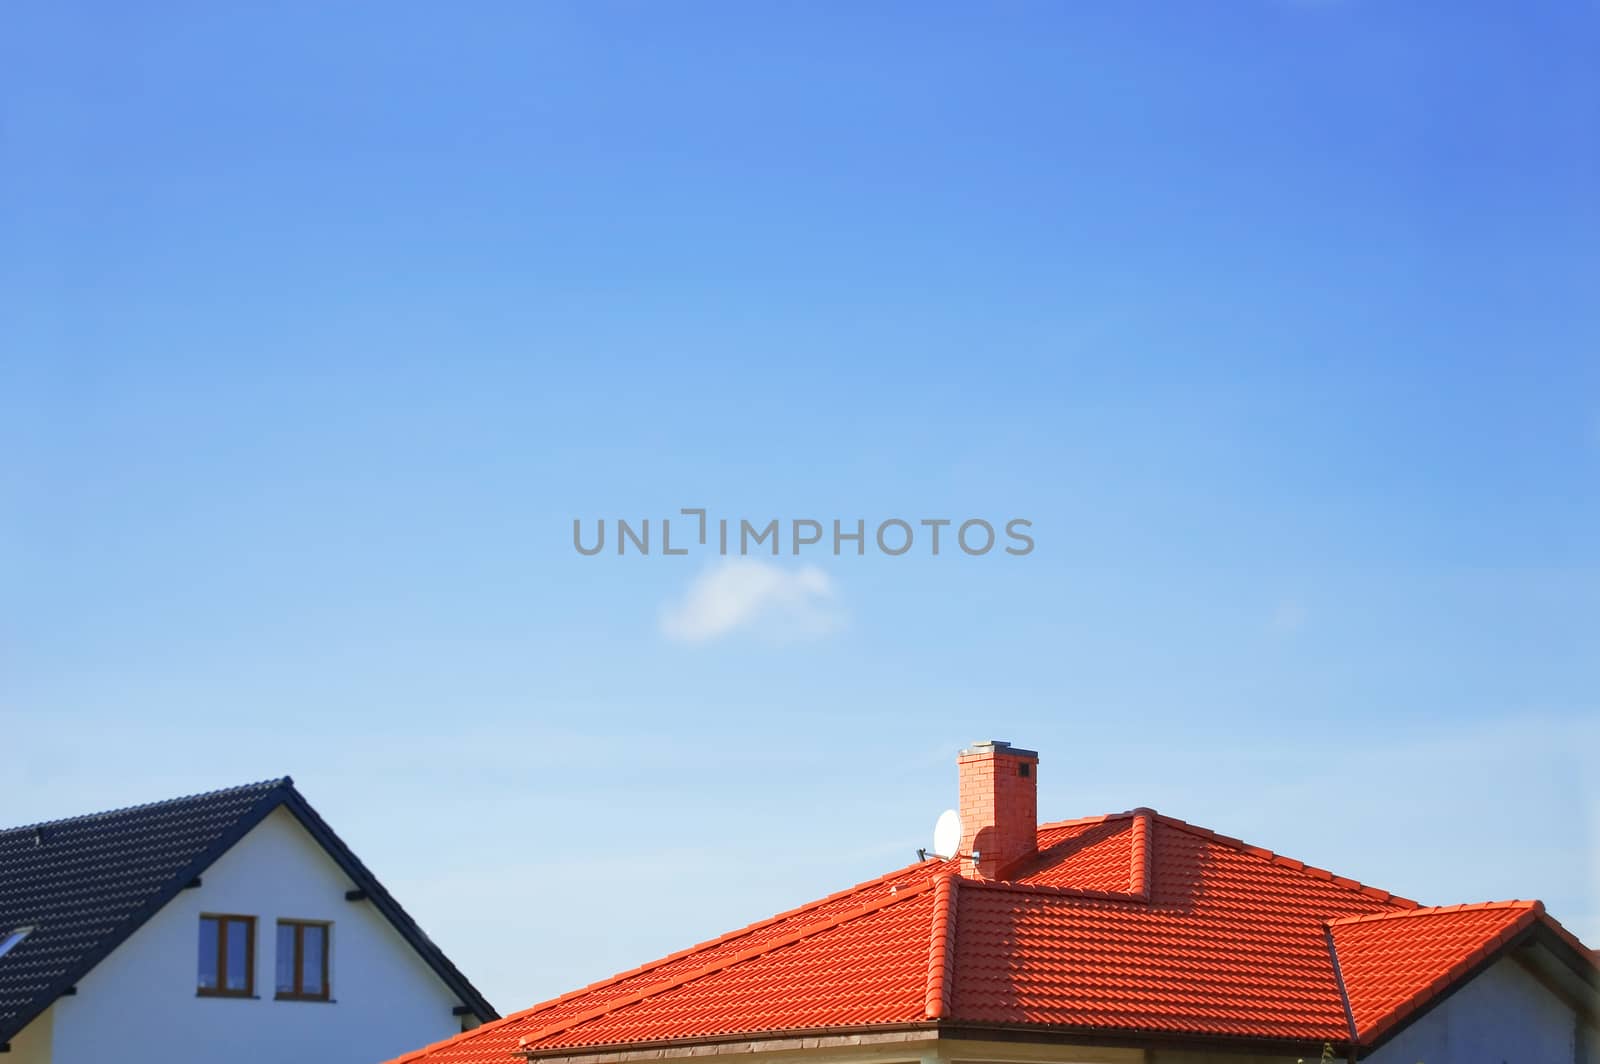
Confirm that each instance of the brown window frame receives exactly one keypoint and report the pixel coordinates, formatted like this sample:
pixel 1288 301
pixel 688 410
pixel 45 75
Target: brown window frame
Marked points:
pixel 298 954
pixel 221 989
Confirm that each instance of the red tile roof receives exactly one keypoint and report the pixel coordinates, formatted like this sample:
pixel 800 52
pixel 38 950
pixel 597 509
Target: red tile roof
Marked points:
pixel 1396 963
pixel 1133 924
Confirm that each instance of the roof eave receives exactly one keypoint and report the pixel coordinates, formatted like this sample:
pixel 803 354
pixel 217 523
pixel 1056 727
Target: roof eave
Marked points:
pixel 822 1038
pixel 745 1042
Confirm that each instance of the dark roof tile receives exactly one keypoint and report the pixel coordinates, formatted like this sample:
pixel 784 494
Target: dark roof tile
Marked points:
pixel 86 883
pixel 80 882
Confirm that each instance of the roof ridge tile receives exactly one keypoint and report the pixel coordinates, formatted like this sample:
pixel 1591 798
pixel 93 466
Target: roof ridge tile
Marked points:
pixel 942 947
pixel 1141 854
pixel 1085 821
pixel 1437 910
pixel 1050 890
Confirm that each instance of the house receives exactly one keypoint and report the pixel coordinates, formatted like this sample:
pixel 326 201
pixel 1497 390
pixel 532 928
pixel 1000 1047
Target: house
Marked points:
pixel 1121 938
pixel 233 926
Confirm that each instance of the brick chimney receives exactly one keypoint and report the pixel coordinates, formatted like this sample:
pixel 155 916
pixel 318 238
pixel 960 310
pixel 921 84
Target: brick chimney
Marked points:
pixel 999 806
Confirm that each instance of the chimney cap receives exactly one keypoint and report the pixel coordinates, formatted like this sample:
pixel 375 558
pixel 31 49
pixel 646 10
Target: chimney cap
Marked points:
pixel 998 746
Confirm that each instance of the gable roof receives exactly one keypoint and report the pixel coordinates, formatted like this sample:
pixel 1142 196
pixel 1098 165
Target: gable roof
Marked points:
pixel 86 883
pixel 1396 964
pixel 1134 927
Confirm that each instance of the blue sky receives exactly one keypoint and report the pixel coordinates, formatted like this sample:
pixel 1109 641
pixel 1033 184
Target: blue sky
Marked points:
pixel 1276 319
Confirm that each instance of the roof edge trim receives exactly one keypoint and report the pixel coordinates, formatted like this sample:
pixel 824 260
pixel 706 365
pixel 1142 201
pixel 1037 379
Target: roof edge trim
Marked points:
pixel 743 1042
pixel 392 910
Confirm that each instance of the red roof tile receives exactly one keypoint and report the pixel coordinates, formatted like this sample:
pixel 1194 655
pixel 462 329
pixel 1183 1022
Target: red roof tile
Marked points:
pixel 866 968
pixel 495 1042
pixel 1127 924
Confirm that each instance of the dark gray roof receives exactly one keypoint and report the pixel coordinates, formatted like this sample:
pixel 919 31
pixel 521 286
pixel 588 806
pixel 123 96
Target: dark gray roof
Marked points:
pixel 85 884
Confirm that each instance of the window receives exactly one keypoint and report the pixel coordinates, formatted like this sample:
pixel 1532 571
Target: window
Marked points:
pixel 9 942
pixel 227 956
pixel 302 960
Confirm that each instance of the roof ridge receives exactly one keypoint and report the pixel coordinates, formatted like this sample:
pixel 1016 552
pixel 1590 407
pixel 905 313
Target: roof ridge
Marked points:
pixel 669 958
pixel 264 786
pixel 894 897
pixel 1141 855
pixel 1082 821
pixel 1435 910
pixel 1355 886
pixel 942 947
pixel 1050 890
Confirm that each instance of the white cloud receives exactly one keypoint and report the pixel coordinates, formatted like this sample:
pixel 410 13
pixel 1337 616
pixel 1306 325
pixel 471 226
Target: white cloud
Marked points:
pixel 779 603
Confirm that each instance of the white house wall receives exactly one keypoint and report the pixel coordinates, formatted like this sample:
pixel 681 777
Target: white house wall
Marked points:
pixel 138 1006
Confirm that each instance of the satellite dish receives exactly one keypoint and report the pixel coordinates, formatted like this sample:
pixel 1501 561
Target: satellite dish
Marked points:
pixel 947 834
